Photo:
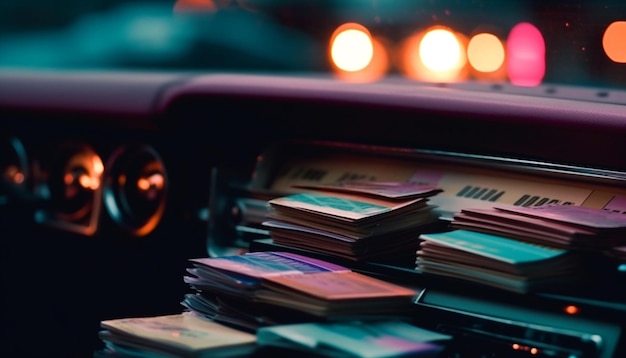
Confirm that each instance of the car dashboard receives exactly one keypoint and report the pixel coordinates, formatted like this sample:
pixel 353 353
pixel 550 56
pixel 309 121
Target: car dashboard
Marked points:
pixel 112 180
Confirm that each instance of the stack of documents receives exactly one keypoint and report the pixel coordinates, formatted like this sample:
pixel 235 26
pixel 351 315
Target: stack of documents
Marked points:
pixel 497 261
pixel 169 336
pixel 354 220
pixel 356 339
pixel 562 226
pixel 266 288
pixel 568 239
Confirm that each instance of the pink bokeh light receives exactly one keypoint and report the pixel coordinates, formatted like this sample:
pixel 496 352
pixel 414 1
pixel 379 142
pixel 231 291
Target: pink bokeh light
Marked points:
pixel 526 50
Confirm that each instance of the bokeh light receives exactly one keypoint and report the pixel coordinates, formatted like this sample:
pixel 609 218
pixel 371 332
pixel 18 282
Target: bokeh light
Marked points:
pixel 486 55
pixel 375 70
pixel 351 47
pixel 434 55
pixel 440 50
pixel 87 182
pixel 571 309
pixel 153 181
pixel 14 175
pixel 614 41
pixel 485 52
pixel 194 6
pixel 534 351
pixel 407 56
pixel 526 49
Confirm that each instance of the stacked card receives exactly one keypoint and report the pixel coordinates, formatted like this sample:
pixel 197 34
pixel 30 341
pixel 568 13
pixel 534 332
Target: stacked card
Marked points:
pixel 562 226
pixel 265 288
pixel 176 335
pixel 356 339
pixel 496 261
pixel 354 220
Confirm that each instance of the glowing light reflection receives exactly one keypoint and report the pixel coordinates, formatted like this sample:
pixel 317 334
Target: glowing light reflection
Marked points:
pixel 88 182
pixel 143 184
pixel 98 166
pixel 14 175
pixel 68 178
pixel 154 181
pixel 18 178
pixel 85 170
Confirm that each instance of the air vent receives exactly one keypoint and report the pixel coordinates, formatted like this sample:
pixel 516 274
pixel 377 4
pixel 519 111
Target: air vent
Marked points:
pixel 72 187
pixel 135 189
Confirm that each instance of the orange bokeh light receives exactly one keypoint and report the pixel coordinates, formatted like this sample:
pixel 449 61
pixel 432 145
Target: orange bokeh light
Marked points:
pixel 155 181
pixel 356 56
pixel 534 351
pixel 14 175
pixel 487 55
pixel 375 70
pixel 88 182
pixel 435 55
pixel 143 184
pixel 613 41
pixel 571 309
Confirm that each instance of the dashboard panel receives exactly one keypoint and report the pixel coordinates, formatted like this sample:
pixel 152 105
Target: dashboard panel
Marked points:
pixel 112 180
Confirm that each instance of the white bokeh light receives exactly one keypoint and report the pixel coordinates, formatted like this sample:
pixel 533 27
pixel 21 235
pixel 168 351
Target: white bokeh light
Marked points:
pixel 352 50
pixel 440 50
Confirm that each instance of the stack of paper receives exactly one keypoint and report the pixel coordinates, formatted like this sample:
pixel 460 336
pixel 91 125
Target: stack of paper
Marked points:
pixel 354 220
pixel 263 288
pixel 562 226
pixel 356 339
pixel 178 335
pixel 496 261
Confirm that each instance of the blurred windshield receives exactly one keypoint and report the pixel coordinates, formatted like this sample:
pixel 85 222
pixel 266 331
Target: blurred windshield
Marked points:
pixel 525 43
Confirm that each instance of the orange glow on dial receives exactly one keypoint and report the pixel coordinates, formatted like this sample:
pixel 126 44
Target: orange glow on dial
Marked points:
pixel 14 175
